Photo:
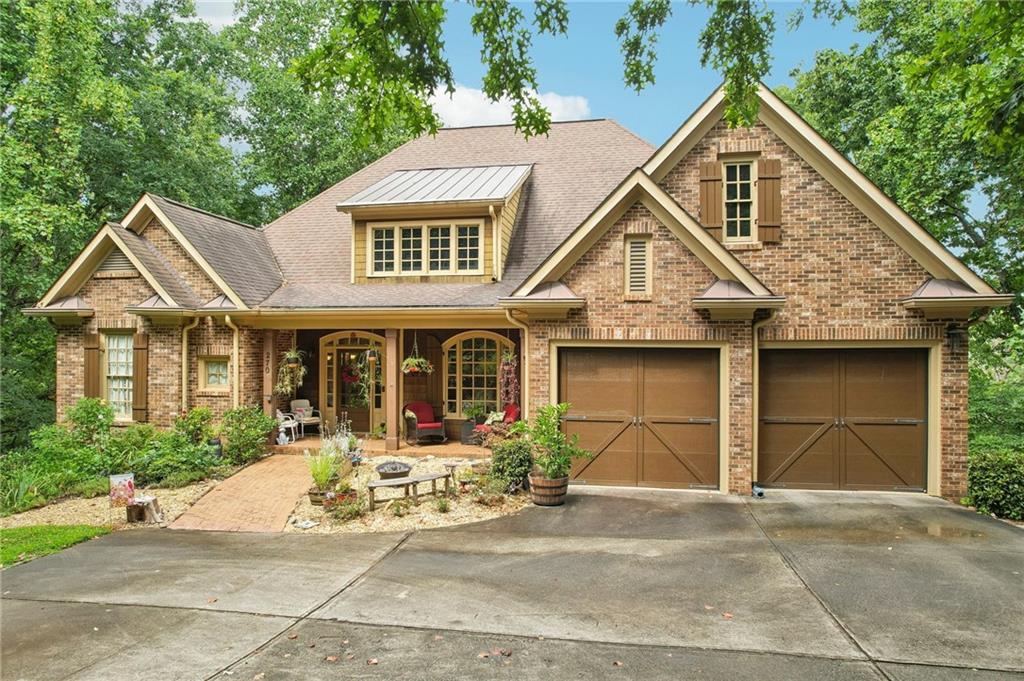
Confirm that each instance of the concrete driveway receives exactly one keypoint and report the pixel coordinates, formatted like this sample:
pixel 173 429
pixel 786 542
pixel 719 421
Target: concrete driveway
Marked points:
pixel 615 584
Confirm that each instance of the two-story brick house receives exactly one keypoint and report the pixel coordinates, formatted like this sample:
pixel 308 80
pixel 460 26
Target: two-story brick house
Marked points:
pixel 737 305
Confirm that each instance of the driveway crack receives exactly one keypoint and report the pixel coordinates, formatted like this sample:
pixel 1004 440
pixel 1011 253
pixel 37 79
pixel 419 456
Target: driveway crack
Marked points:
pixel 306 615
pixel 824 606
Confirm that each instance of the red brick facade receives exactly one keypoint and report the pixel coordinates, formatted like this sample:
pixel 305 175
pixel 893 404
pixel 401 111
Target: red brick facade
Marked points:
pixel 842 278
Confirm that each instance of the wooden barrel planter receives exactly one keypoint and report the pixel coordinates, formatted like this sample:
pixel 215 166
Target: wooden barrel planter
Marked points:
pixel 546 492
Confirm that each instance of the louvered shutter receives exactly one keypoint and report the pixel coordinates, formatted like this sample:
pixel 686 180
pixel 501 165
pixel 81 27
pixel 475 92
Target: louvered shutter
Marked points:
pixel 769 199
pixel 91 379
pixel 140 377
pixel 638 267
pixel 711 197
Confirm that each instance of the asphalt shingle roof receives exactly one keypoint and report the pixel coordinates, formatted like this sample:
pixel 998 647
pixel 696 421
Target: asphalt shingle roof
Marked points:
pixel 238 252
pixel 574 168
pixel 158 266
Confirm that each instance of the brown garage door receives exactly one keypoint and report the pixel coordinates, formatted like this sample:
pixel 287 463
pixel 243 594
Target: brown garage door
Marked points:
pixel 843 419
pixel 650 416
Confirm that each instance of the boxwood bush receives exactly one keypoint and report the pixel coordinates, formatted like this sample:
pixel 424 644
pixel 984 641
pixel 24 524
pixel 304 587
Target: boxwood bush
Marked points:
pixel 511 462
pixel 245 431
pixel 995 481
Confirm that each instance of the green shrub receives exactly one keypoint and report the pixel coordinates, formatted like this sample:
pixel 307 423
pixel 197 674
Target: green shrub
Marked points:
pixel 995 482
pixel 553 450
pixel 195 426
pixel 511 462
pixel 184 478
pixel 350 510
pixel 171 454
pixel 245 431
pixel 20 488
pixel 128 447
pixel 322 468
pixel 90 487
pixel 90 420
pixel 442 505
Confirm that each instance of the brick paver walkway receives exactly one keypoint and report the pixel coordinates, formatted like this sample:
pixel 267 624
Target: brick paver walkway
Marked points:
pixel 256 499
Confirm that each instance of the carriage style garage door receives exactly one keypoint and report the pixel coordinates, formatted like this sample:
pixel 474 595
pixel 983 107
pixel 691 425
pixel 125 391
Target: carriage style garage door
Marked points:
pixel 649 415
pixel 843 419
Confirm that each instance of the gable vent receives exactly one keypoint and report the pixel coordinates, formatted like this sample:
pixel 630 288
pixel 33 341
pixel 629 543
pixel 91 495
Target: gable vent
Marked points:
pixel 638 266
pixel 116 261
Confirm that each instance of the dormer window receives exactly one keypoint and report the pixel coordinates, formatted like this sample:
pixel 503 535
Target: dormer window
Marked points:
pixel 422 247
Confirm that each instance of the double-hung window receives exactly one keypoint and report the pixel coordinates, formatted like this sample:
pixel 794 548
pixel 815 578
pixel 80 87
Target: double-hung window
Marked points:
pixel 739 201
pixel 436 247
pixel 118 373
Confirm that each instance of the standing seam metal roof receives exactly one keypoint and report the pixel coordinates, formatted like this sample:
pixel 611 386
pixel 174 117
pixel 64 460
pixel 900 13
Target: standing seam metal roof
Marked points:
pixel 440 185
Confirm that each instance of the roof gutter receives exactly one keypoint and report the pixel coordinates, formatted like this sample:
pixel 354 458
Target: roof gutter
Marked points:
pixel 234 361
pixel 185 362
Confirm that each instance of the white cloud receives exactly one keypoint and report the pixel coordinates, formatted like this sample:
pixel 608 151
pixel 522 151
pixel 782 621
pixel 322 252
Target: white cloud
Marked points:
pixel 469 106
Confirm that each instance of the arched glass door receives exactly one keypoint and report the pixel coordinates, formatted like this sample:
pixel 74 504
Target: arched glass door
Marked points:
pixel 351 378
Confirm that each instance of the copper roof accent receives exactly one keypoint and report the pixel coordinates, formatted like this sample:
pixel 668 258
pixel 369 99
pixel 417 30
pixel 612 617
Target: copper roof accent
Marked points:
pixel 552 290
pixel 69 303
pixel 158 266
pixel 943 288
pixel 221 302
pixel 726 289
pixel 574 168
pixel 238 252
pixel 474 184
pixel 155 302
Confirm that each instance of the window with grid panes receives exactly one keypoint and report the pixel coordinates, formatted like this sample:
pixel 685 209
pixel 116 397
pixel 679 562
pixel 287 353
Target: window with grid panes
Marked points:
pixel 383 250
pixel 412 249
pixel 118 374
pixel 469 247
pixel 215 373
pixel 440 255
pixel 739 201
pixel 471 370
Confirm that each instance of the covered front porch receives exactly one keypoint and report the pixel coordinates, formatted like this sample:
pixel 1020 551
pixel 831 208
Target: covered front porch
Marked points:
pixel 367 376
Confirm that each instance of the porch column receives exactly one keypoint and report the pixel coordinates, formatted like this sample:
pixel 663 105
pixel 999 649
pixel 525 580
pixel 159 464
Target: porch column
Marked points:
pixel 269 370
pixel 391 363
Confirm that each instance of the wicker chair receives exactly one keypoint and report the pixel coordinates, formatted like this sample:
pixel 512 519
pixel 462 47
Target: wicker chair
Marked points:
pixel 421 424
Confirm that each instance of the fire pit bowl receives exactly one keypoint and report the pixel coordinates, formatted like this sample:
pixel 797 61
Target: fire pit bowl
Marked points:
pixel 393 469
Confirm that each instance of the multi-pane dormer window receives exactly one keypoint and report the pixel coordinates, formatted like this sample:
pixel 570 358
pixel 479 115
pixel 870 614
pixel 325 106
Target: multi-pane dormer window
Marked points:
pixel 426 247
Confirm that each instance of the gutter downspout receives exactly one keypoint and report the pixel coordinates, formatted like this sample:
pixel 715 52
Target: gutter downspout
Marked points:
pixel 234 361
pixel 524 371
pixel 185 361
pixel 755 390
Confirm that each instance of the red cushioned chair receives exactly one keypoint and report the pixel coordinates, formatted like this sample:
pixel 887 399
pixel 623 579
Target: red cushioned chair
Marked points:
pixel 512 412
pixel 422 425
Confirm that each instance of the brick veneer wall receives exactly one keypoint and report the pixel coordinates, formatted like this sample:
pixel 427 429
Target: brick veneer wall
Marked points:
pixel 180 261
pixel 841 275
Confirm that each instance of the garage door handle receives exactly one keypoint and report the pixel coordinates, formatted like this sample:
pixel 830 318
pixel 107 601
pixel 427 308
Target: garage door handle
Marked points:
pixel 574 418
pixel 704 420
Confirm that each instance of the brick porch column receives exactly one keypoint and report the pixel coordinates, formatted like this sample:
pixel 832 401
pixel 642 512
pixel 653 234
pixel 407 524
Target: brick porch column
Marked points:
pixel 391 362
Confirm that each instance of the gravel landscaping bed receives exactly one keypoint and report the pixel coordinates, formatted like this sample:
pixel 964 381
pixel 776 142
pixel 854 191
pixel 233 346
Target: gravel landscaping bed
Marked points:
pixel 462 507
pixel 97 510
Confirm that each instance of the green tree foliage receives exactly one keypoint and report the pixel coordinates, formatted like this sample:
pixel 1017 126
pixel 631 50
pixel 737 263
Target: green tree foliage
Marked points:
pixel 299 143
pixel 916 133
pixel 105 99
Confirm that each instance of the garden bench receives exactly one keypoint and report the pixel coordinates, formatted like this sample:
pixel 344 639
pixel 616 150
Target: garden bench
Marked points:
pixel 411 481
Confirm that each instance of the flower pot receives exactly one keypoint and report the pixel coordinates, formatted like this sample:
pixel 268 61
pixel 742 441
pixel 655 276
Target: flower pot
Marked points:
pixel 547 492
pixel 316 496
pixel 467 436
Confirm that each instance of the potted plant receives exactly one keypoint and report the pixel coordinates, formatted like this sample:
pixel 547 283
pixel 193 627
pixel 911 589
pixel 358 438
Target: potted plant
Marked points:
pixel 475 412
pixel 343 494
pixel 291 373
pixel 553 454
pixel 324 470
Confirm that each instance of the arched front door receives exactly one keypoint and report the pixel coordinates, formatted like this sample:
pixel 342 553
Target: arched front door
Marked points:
pixel 351 378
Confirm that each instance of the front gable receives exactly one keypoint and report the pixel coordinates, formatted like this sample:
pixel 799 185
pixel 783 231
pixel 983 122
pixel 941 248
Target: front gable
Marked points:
pixel 781 131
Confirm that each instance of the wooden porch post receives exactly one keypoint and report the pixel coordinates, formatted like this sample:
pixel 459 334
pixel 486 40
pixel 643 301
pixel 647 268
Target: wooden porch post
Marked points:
pixel 391 363
pixel 269 370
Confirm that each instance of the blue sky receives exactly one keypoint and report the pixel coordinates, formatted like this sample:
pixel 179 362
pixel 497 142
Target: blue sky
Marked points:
pixel 580 76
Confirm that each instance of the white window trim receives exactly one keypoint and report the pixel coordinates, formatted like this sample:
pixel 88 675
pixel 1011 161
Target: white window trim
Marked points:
pixel 752 162
pixel 424 225
pixel 105 372
pixel 203 374
pixel 503 344
pixel 649 255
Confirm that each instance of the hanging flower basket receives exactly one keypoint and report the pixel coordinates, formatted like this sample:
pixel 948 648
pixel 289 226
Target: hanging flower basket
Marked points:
pixel 414 365
pixel 417 365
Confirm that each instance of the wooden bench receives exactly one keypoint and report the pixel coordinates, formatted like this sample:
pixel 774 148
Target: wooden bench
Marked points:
pixel 410 482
